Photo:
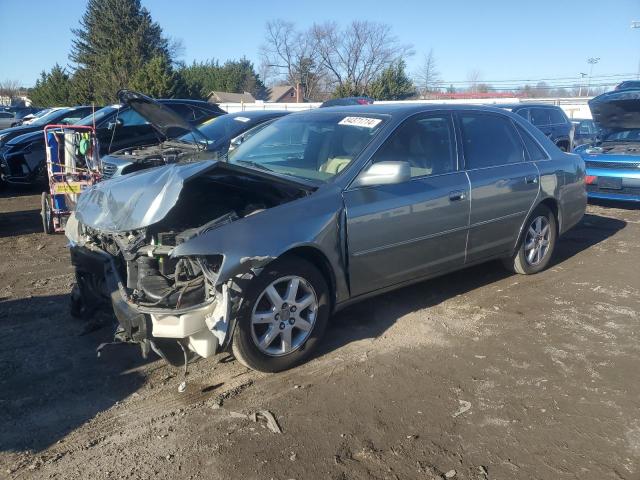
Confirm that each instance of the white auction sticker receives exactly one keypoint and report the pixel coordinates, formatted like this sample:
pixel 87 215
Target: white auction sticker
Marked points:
pixel 366 122
pixel 242 119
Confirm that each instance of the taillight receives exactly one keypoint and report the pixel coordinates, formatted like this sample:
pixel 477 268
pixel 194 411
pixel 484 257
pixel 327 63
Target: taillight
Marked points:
pixel 589 179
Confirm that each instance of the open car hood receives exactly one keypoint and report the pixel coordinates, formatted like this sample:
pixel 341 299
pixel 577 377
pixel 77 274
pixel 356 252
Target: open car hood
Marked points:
pixel 137 200
pixel 617 110
pixel 163 119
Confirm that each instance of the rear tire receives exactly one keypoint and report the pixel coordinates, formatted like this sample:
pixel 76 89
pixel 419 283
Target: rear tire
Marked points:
pixel 275 335
pixel 537 243
pixel 45 213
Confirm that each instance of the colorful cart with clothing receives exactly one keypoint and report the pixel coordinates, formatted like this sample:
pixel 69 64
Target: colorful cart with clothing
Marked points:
pixel 73 164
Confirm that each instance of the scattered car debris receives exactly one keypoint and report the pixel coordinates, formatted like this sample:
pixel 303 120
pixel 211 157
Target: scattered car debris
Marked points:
pixel 464 406
pixel 259 416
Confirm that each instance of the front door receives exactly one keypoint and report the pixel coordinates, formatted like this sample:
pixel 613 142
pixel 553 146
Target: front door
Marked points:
pixel 504 184
pixel 397 233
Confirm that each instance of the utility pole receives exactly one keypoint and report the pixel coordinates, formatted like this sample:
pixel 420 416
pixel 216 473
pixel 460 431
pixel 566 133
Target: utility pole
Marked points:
pixel 591 61
pixel 582 75
pixel 636 24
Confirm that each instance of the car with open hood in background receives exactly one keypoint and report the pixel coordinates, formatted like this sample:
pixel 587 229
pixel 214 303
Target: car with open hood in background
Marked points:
pixel 211 139
pixel 613 161
pixel 22 158
pixel 316 211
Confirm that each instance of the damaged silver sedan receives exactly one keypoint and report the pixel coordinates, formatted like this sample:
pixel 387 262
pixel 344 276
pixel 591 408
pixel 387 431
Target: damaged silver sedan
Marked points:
pixel 317 210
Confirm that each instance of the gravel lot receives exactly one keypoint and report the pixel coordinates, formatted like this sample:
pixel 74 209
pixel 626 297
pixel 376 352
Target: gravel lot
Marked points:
pixel 475 375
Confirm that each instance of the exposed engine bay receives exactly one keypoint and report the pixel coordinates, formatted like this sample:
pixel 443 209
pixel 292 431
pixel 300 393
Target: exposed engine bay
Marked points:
pixel 165 302
pixel 155 155
pixel 622 148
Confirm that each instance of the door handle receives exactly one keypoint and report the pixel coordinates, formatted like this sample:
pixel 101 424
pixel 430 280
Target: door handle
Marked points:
pixel 529 179
pixel 457 195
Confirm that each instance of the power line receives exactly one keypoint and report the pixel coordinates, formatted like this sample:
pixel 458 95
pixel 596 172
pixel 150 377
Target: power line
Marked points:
pixel 573 78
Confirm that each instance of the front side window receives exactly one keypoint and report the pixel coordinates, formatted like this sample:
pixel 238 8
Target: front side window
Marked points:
pixel 427 143
pixel 489 140
pixel 131 118
pixel 313 146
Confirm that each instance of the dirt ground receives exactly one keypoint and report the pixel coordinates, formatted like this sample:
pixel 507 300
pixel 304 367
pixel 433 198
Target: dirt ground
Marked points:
pixel 476 375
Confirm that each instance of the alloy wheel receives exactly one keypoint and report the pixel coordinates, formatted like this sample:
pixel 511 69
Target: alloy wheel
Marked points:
pixel 284 315
pixel 537 240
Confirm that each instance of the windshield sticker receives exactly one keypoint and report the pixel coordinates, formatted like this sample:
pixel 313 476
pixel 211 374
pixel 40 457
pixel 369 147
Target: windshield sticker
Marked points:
pixel 242 119
pixel 360 122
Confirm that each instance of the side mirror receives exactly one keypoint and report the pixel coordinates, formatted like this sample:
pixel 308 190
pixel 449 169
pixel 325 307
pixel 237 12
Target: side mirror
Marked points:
pixel 384 173
pixel 112 125
pixel 236 142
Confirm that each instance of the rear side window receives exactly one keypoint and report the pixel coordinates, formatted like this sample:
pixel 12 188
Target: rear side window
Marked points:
pixel 540 117
pixel 535 152
pixel 489 140
pixel 427 143
pixel 557 116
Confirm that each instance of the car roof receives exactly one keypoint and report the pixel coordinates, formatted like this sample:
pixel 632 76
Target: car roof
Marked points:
pixel 404 109
pixel 525 105
pixel 258 113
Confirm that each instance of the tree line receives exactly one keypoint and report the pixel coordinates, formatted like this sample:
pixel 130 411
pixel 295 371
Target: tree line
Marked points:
pixel 118 45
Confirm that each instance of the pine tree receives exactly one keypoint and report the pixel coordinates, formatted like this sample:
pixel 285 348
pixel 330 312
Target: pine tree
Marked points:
pixel 115 41
pixel 157 79
pixel 52 89
pixel 392 84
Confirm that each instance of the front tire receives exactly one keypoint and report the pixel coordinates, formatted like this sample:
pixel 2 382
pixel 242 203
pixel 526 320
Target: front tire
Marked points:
pixel 45 213
pixel 282 316
pixel 537 243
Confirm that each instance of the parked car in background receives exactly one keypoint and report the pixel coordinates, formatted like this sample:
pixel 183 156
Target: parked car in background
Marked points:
pixel 318 210
pixel 7 119
pixel 31 117
pixel 628 85
pixel 22 159
pixel 64 115
pixel 346 101
pixel 209 140
pixel 613 162
pixel 585 131
pixel 550 120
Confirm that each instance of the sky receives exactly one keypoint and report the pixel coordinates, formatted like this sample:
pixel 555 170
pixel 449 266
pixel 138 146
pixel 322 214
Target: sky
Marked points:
pixel 502 39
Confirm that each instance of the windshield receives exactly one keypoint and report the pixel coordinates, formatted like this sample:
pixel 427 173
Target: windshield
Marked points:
pixel 222 127
pixel 99 116
pixel 50 117
pixel 632 135
pixel 311 146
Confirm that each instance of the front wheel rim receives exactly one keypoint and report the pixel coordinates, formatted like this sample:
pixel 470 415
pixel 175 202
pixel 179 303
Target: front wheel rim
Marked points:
pixel 537 240
pixel 284 315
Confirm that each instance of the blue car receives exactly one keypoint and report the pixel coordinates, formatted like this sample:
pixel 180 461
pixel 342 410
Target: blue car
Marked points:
pixel 613 162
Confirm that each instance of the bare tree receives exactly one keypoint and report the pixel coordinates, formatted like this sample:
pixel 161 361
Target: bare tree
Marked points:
pixel 294 54
pixel 473 77
pixel 355 56
pixel 9 88
pixel 428 77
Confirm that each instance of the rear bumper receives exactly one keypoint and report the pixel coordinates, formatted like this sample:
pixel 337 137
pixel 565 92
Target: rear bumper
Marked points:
pixel 627 186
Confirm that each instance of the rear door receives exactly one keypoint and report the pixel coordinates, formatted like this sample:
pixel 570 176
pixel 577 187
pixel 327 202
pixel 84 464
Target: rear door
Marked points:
pixel 541 118
pixel 504 185
pixel 397 233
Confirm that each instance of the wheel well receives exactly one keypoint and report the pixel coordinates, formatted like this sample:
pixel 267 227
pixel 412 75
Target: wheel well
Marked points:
pixel 552 205
pixel 319 260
